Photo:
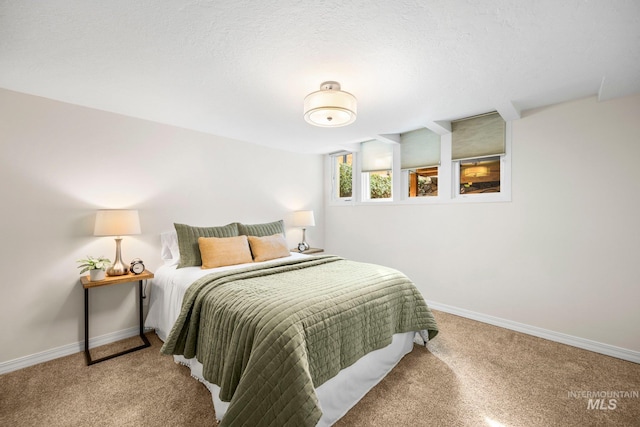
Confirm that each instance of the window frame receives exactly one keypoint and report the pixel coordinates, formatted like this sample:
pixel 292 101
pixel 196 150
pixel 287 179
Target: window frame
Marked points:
pixel 505 177
pixel 395 188
pixel 335 178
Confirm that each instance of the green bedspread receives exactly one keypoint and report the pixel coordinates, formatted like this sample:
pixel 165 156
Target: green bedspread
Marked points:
pixel 268 335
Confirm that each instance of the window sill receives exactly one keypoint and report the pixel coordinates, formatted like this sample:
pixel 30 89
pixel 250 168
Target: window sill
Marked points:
pixel 460 199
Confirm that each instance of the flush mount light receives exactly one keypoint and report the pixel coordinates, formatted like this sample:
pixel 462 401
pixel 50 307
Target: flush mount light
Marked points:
pixel 330 107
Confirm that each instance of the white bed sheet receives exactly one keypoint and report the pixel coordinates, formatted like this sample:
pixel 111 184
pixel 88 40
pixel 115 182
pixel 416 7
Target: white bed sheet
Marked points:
pixel 336 396
pixel 169 285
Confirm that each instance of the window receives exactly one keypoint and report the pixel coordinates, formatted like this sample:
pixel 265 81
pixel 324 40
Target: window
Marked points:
pixel 478 145
pixel 342 176
pixel 480 176
pixel 377 185
pixel 465 161
pixel 377 175
pixel 423 182
pixel 419 158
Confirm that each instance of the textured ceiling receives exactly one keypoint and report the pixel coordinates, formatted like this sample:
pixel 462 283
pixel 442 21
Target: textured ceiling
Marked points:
pixel 241 69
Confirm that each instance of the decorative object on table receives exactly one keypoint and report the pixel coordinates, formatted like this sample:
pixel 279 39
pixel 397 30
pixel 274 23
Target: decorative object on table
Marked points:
pixel 303 219
pixel 330 106
pixel 117 222
pixel 95 266
pixel 136 266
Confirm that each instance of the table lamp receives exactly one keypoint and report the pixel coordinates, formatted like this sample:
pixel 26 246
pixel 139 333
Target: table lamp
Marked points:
pixel 303 219
pixel 117 222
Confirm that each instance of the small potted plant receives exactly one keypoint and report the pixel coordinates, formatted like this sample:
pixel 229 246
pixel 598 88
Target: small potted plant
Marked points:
pixel 95 266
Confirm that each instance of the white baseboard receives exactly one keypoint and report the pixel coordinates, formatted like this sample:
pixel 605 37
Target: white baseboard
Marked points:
pixel 597 347
pixel 585 344
pixel 66 350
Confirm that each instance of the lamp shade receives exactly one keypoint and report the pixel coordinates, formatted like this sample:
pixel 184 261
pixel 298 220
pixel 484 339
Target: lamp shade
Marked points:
pixel 116 222
pixel 303 219
pixel 330 106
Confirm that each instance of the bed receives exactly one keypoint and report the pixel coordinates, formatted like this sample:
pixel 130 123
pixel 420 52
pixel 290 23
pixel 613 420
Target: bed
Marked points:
pixel 295 340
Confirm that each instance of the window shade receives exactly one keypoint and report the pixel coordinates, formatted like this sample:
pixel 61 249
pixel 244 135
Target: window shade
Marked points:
pixel 476 137
pixel 376 156
pixel 419 149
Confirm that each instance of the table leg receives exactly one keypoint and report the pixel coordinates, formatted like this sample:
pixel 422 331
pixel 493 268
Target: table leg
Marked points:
pixel 87 355
pixel 145 341
pixel 142 335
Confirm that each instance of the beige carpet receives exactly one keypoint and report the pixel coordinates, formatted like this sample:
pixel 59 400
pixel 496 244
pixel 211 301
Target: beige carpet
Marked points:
pixel 472 374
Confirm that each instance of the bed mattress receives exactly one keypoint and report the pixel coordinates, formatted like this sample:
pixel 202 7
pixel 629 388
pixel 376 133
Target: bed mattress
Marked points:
pixel 336 396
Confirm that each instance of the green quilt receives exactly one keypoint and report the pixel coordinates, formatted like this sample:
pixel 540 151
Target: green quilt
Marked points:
pixel 267 335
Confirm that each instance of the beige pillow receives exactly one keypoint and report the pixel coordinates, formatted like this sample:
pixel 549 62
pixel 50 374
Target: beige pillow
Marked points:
pixel 268 247
pixel 221 251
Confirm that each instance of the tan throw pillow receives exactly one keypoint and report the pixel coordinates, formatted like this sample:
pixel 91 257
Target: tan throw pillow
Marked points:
pixel 221 251
pixel 188 241
pixel 268 247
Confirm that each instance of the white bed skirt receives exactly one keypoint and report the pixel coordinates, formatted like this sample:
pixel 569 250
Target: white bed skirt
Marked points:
pixel 339 394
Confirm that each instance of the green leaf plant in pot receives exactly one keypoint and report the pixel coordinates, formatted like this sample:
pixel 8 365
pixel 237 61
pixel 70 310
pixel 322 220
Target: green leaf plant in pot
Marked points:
pixel 95 266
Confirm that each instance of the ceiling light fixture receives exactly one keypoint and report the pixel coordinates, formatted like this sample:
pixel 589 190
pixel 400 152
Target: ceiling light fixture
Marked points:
pixel 330 107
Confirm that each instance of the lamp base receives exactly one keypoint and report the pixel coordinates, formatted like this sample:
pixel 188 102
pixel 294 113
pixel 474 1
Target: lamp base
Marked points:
pixel 303 246
pixel 118 268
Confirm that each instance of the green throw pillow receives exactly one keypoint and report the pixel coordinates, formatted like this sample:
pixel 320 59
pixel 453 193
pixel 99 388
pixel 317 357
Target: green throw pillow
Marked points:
pixel 188 241
pixel 262 230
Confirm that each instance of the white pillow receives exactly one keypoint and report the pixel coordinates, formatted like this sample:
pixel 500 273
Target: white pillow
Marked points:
pixel 169 249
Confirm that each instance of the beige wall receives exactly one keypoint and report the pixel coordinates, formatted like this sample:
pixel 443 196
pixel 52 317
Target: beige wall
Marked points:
pixel 561 256
pixel 61 162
